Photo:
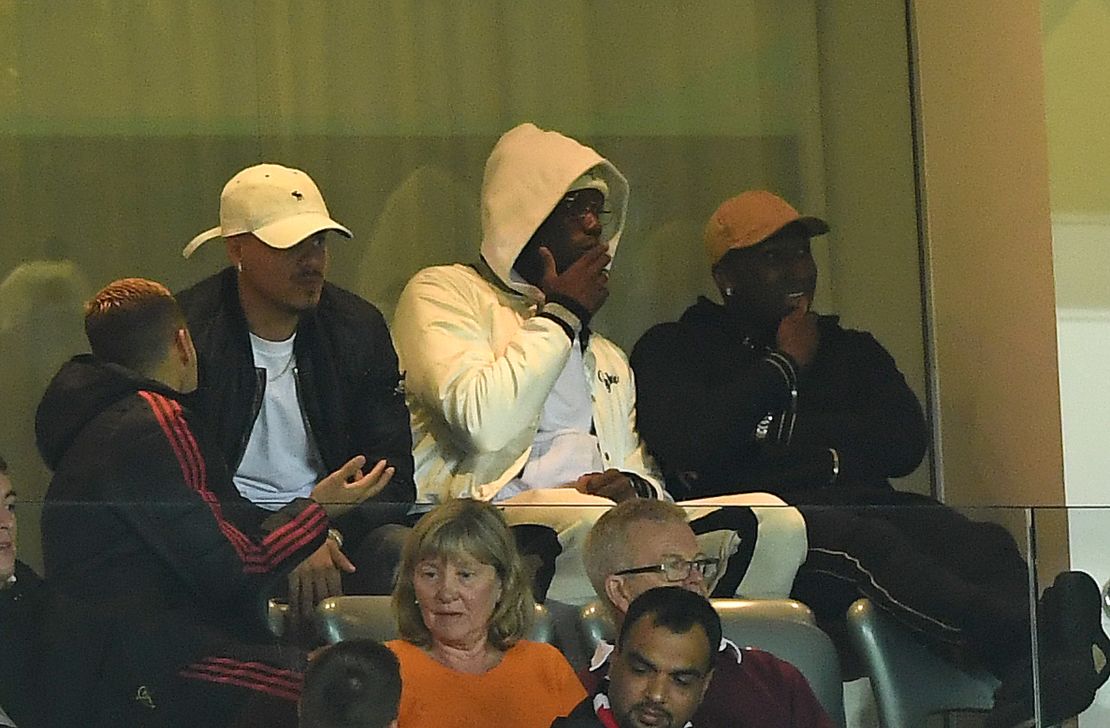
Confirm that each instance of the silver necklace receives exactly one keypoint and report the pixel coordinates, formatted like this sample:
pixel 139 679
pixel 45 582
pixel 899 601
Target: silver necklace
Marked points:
pixel 284 369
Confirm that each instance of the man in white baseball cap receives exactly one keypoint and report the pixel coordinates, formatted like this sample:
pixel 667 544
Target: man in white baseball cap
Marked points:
pixel 279 205
pixel 298 375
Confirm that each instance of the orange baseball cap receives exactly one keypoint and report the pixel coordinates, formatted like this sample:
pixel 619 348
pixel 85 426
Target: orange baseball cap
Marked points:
pixel 750 218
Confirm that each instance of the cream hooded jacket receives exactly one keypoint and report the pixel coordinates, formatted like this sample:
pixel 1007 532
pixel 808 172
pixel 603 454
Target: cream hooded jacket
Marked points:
pixel 478 361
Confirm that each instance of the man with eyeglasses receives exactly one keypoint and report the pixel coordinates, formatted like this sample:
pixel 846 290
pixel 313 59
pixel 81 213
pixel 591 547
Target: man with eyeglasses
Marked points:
pixel 641 545
pixel 509 389
pixel 514 398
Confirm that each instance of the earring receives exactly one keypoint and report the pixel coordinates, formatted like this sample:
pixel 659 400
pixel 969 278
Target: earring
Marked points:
pixel 728 291
pixel 239 266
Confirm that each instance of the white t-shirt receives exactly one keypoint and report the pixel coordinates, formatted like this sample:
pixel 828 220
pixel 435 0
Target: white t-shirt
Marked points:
pixel 281 462
pixel 565 448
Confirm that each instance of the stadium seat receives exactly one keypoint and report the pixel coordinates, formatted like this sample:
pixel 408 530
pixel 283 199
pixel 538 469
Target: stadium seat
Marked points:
pixel 910 682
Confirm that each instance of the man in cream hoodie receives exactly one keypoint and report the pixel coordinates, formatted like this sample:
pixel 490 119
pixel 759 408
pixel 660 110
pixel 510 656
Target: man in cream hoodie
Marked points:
pixel 515 400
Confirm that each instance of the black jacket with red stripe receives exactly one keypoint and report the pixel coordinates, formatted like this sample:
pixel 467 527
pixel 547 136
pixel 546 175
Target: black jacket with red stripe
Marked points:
pixel 164 579
pixel 131 519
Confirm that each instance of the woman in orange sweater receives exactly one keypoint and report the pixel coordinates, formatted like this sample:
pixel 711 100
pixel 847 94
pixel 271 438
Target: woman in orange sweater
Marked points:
pixel 463 602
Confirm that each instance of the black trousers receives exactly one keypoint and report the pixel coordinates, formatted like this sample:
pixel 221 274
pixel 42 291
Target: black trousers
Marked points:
pixel 955 582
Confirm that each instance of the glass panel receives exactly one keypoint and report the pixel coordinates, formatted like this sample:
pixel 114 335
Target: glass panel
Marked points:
pixel 116 149
pixel 122 120
pixel 968 570
pixel 1078 157
pixel 1088 543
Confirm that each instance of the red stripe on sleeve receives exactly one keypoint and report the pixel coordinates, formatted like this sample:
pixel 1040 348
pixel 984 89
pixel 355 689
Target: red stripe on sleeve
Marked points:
pixel 256 558
pixel 256 676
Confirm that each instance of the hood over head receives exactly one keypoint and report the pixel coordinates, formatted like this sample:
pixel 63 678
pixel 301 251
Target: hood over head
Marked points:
pixel 527 173
pixel 83 388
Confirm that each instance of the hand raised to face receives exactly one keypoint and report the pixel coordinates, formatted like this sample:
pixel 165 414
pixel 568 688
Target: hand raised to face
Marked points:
pixel 798 335
pixel 585 281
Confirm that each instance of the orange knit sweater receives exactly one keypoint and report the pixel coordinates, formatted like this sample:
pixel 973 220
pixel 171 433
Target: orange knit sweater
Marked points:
pixel 531 686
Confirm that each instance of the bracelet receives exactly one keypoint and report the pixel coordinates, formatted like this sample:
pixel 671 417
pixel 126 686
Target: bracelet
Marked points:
pixel 335 535
pixel 835 465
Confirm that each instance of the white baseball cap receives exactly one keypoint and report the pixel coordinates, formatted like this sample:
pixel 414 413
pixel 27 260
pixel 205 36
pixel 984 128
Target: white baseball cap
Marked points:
pixel 281 206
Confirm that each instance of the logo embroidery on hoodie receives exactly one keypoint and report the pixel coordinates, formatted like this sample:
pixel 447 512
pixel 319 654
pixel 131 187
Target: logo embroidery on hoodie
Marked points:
pixel 608 380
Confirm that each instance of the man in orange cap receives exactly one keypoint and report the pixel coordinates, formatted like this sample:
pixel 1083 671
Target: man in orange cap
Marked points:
pixel 770 393
pixel 760 393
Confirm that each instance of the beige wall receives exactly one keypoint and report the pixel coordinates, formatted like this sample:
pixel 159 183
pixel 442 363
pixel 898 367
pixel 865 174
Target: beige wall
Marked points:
pixel 984 165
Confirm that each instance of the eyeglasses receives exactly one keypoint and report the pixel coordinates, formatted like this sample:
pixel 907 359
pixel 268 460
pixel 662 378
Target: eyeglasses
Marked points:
pixel 677 569
pixel 579 203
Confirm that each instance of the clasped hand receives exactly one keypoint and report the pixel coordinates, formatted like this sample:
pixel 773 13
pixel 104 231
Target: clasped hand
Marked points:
pixel 611 484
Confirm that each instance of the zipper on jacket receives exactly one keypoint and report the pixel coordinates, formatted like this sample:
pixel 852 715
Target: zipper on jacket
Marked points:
pixel 256 406
pixel 309 433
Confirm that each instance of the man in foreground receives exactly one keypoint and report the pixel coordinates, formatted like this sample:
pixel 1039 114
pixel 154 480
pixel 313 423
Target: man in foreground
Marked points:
pixel 661 667
pixel 166 580
pixel 354 683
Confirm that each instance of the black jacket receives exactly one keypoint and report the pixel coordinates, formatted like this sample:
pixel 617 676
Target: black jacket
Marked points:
pixel 21 622
pixel 583 716
pixel 715 407
pixel 160 572
pixel 347 381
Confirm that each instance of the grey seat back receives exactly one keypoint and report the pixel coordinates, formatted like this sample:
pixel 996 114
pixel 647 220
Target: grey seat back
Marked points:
pixel 783 627
pixel 371 617
pixel 910 682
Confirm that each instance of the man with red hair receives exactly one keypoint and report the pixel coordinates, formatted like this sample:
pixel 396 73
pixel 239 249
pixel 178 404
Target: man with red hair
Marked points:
pixel 163 580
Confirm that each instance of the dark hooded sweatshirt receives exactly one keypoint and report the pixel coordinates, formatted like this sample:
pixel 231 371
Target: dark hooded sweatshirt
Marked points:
pixel 723 411
pixel 715 406
pixel 166 578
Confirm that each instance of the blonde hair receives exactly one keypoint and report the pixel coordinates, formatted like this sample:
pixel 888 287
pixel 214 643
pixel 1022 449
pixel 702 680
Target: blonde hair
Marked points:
pixel 474 529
